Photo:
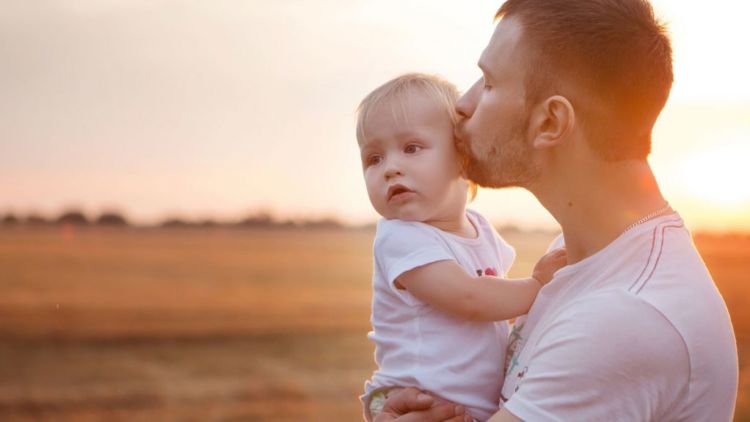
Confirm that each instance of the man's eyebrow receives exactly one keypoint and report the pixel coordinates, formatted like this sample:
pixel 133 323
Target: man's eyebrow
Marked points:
pixel 483 68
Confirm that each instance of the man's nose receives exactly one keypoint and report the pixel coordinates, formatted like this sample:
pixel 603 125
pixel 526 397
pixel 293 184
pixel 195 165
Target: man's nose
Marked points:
pixel 468 102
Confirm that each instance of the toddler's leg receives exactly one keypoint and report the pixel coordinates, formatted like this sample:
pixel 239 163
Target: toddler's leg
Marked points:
pixel 373 404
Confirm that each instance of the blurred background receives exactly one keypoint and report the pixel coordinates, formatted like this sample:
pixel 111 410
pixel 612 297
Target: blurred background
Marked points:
pixel 184 230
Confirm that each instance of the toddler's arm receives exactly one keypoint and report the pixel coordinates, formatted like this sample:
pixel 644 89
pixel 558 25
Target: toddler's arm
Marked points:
pixel 447 286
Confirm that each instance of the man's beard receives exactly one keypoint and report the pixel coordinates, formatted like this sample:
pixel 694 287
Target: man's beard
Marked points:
pixel 509 162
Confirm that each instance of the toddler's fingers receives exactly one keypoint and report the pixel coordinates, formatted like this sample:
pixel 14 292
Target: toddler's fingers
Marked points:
pixel 560 254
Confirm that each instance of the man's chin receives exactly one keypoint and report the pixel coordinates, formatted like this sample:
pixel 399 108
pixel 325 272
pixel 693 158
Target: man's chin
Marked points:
pixel 499 185
pixel 479 174
pixel 488 180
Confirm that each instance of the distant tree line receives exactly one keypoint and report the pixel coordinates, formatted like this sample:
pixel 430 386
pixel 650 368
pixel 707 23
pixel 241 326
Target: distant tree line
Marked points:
pixel 117 219
pixel 261 220
pixel 75 218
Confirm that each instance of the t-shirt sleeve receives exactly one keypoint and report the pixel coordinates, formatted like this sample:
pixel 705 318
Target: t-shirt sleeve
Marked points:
pixel 402 246
pixel 623 361
pixel 506 252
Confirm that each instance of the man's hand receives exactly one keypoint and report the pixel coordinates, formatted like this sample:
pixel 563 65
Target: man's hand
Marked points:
pixel 412 405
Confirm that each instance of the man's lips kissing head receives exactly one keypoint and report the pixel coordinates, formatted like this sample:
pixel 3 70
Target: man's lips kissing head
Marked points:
pixel 459 138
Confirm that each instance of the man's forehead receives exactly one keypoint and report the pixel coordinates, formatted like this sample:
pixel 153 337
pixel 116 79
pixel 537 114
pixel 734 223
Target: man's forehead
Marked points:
pixel 503 43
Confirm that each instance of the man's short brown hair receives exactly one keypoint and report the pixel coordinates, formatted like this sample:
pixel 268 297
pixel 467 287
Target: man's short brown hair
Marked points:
pixel 611 58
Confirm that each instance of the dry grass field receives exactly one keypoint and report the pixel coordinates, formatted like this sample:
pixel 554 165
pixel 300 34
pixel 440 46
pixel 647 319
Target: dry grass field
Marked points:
pixel 216 325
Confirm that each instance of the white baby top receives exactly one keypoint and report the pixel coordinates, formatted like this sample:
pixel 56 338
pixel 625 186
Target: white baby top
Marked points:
pixel 637 332
pixel 419 346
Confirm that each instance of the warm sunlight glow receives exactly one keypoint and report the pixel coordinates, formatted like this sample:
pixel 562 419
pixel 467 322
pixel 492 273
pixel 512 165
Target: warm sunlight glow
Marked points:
pixel 718 174
pixel 202 111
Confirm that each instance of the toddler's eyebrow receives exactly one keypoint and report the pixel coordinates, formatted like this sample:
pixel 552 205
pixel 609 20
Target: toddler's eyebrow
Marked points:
pixel 369 143
pixel 409 134
pixel 368 146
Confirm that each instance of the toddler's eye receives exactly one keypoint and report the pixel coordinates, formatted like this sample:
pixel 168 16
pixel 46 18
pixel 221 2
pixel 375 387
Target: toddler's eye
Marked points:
pixel 412 148
pixel 373 160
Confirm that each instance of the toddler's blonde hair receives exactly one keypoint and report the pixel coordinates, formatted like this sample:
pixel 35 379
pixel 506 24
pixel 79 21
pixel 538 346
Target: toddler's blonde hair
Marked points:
pixel 398 89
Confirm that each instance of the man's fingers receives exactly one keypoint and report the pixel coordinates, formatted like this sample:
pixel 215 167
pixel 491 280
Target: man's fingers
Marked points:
pixel 412 405
pixel 423 401
pixel 414 400
pixel 407 400
pixel 448 412
pixel 441 413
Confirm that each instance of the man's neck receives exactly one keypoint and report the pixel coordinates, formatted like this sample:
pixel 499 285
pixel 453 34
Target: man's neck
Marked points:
pixel 596 206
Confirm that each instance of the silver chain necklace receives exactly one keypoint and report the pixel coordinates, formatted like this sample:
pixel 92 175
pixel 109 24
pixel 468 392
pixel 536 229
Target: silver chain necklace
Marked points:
pixel 661 211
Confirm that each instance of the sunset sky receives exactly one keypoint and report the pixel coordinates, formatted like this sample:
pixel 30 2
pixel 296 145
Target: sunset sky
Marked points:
pixel 218 109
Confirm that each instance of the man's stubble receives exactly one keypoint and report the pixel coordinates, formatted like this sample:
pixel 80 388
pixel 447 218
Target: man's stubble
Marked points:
pixel 508 162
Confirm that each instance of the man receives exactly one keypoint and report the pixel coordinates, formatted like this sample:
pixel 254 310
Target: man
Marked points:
pixel 633 328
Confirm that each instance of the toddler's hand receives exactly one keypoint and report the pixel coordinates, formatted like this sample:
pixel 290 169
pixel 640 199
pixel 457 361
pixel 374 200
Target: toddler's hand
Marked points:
pixel 548 264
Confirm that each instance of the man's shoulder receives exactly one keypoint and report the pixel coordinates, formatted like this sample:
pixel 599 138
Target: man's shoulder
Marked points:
pixel 620 329
pixel 664 315
pixel 610 344
pixel 615 306
pixel 675 281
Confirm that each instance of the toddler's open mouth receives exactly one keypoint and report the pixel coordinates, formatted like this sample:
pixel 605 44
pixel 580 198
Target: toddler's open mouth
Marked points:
pixel 398 191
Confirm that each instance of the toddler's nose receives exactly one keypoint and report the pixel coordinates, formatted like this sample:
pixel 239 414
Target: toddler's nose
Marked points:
pixel 392 170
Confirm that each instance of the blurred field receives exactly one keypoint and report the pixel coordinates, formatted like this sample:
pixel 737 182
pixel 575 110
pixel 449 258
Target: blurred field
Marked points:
pixel 217 325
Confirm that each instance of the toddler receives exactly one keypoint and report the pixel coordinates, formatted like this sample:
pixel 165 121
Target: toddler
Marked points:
pixel 436 285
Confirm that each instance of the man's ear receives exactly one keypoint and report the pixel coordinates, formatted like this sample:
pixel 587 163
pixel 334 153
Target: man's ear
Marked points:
pixel 552 122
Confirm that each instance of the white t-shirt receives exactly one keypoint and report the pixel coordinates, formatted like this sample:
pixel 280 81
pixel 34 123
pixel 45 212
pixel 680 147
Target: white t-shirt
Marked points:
pixel 419 346
pixel 637 331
